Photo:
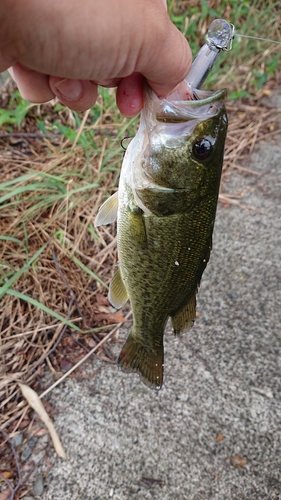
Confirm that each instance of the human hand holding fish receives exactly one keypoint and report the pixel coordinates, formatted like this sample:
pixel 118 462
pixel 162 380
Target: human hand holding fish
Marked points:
pixel 66 49
pixel 165 210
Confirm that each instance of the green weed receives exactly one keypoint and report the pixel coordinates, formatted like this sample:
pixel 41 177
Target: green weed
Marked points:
pixel 16 112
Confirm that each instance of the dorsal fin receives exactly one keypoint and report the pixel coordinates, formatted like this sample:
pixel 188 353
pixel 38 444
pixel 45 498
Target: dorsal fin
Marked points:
pixel 184 318
pixel 108 211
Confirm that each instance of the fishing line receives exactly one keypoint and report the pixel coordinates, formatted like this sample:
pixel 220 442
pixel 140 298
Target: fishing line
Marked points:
pixel 257 38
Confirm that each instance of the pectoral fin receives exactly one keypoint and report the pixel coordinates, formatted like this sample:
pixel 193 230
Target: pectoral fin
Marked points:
pixel 184 318
pixel 108 211
pixel 117 294
pixel 137 225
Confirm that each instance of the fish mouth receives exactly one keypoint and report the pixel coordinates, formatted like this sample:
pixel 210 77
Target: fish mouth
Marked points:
pixel 173 121
pixel 207 105
pixel 167 176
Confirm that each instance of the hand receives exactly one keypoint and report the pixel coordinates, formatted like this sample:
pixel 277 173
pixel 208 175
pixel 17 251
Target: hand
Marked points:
pixel 67 48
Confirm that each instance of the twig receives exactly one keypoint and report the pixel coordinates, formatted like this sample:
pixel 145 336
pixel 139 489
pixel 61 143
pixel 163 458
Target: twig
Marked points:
pixel 107 248
pixel 32 135
pixel 95 337
pixel 26 407
pixel 8 483
pixel 150 481
pixel 74 298
pixel 72 294
pixel 20 480
pixel 88 355
pixel 247 170
pixel 270 134
pixel 78 343
pixel 47 354
pixel 81 128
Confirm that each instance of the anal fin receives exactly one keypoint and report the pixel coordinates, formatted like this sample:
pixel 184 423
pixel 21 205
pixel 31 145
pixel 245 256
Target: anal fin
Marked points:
pixel 184 318
pixel 135 357
pixel 117 294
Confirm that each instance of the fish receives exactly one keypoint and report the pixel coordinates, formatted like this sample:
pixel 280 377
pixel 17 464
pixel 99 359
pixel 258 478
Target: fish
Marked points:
pixel 165 209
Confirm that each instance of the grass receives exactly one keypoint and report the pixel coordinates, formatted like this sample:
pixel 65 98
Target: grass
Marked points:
pixel 57 167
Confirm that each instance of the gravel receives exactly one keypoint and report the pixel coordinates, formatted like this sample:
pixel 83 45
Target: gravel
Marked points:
pixel 38 486
pixel 25 453
pixel 17 440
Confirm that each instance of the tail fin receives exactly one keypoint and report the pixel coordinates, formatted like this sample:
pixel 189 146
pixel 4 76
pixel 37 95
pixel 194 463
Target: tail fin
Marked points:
pixel 135 357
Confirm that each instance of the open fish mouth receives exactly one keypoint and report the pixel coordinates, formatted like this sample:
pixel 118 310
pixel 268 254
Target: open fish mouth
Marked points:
pixel 170 131
pixel 171 122
pixel 204 106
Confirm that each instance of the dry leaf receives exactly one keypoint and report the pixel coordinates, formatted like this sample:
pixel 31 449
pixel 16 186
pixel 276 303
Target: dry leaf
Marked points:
pixel 102 300
pixel 238 461
pixel 65 365
pixel 219 437
pixel 90 341
pixel 5 494
pixel 33 400
pixel 39 431
pixel 28 466
pixel 6 474
pixel 24 423
pixel 48 463
pixel 48 407
pixel 103 309
pixel 111 317
pixel 23 493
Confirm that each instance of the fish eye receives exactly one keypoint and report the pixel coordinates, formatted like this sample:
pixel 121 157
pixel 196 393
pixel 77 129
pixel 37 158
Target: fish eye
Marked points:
pixel 202 149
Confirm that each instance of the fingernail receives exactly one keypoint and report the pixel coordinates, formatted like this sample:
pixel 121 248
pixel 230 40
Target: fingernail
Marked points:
pixel 71 90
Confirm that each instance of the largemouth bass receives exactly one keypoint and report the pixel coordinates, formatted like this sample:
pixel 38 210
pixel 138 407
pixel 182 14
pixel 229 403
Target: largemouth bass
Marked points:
pixel 165 208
